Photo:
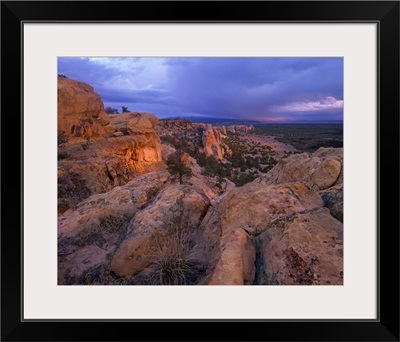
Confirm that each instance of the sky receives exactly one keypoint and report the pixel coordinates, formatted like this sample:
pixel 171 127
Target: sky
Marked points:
pixel 279 89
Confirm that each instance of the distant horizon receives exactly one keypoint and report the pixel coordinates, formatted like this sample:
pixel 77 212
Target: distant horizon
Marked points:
pixel 195 117
pixel 226 118
pixel 265 89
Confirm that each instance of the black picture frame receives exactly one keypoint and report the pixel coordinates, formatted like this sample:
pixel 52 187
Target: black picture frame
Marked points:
pixel 384 13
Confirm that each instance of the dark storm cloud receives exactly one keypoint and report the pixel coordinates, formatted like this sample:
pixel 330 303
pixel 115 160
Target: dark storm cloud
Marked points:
pixel 154 96
pixel 85 70
pixel 254 87
pixel 271 89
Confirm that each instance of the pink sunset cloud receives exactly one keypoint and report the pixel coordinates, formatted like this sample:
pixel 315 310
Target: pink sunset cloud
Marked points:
pixel 326 104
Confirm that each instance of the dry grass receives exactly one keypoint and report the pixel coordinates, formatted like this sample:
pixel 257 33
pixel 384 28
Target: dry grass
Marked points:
pixel 175 260
pixel 104 229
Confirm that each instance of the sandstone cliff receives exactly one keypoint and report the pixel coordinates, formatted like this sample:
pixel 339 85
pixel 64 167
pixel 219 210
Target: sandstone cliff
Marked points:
pixel 102 151
pixel 212 142
pixel 209 139
pixel 80 110
pixel 239 128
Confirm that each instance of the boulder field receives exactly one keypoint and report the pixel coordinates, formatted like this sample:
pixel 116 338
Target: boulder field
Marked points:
pixel 259 234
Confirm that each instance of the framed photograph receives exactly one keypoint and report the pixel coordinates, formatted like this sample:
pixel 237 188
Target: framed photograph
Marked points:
pixel 216 162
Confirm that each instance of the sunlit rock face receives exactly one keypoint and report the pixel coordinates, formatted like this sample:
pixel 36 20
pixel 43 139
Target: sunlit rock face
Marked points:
pixel 99 151
pixel 212 141
pixel 80 110
pixel 140 140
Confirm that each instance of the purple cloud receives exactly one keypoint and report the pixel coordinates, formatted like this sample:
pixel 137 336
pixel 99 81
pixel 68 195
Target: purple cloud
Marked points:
pixel 251 88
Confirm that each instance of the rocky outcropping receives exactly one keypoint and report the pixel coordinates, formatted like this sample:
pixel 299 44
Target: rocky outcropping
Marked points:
pixel 239 128
pixel 80 110
pixel 173 216
pixel 212 138
pixel 303 249
pixel 333 199
pixel 140 143
pixel 126 200
pixel 103 166
pixel 212 142
pixel 271 234
pixel 320 171
pixel 314 171
pixel 256 234
pixel 198 180
pixel 200 136
pixel 89 235
pixel 98 166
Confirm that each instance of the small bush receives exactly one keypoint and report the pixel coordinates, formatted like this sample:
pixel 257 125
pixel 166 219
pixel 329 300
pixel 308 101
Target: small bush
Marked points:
pixel 177 168
pixel 110 110
pixel 244 179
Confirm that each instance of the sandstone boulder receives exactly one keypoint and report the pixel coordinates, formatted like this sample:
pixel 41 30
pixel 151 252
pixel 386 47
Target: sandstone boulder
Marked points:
pixel 229 232
pixel 321 171
pixel 143 123
pixel 80 110
pixel 126 200
pixel 332 153
pixel 306 249
pixel 173 216
pixel 142 142
pixel 333 199
pixel 318 171
pixel 89 235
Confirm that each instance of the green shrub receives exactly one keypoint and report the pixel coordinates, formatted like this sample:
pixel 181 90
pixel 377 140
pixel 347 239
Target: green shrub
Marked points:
pixel 243 179
pixel 177 168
